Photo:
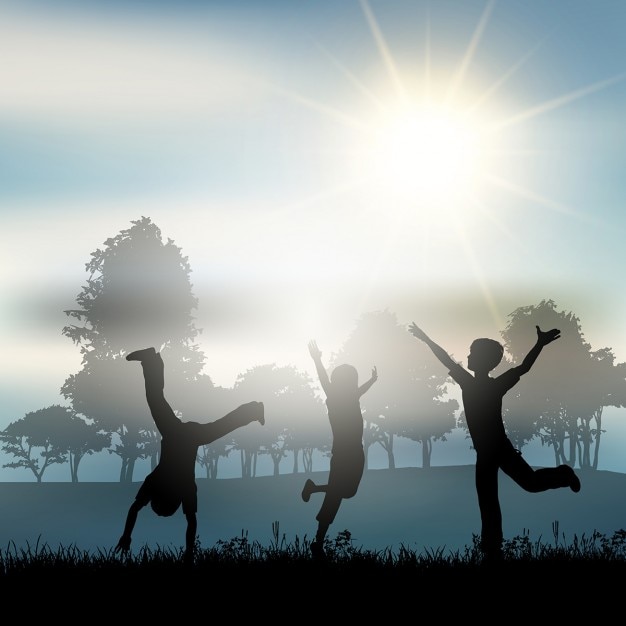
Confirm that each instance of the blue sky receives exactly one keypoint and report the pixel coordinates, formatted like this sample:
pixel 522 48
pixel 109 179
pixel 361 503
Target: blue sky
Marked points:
pixel 276 144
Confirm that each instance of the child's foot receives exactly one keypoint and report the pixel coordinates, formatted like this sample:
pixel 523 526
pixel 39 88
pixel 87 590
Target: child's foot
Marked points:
pixel 140 355
pixel 317 550
pixel 261 418
pixel 309 485
pixel 573 480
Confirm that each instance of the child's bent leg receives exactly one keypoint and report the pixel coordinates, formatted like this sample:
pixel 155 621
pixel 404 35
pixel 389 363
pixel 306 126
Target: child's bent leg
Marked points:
pixel 542 479
pixel 309 488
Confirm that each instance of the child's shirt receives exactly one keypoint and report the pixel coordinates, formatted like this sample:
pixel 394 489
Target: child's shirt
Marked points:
pixel 482 403
pixel 346 420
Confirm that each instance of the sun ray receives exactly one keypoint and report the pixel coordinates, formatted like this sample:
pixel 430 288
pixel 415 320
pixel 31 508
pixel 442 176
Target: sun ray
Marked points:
pixel 502 80
pixel 384 50
pixel 353 79
pixel 556 103
pixel 470 52
pixel 331 112
pixel 490 301
pixel 427 66
pixel 500 226
pixel 541 200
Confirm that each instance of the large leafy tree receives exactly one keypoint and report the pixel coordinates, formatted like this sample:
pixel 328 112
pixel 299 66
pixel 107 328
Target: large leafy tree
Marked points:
pixel 564 394
pixel 34 440
pixel 138 293
pixel 409 397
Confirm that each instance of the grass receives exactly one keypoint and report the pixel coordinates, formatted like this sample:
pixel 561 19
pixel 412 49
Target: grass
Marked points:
pixel 239 556
pixel 242 578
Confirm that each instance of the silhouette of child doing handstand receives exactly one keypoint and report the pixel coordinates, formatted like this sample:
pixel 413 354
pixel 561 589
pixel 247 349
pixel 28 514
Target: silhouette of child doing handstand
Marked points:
pixel 347 460
pixel 482 401
pixel 173 481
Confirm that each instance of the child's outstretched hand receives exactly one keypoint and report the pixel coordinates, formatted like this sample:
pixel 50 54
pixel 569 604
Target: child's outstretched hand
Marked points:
pixel 314 351
pixel 546 337
pixel 123 545
pixel 417 332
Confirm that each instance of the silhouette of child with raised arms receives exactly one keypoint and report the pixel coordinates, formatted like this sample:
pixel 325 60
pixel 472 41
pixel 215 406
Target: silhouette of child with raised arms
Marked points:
pixel 482 401
pixel 172 483
pixel 347 460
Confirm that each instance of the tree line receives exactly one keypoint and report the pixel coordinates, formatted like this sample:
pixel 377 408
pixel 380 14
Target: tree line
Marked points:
pixel 138 293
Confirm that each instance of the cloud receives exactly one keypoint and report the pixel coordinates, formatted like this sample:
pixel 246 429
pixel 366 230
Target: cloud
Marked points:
pixel 87 69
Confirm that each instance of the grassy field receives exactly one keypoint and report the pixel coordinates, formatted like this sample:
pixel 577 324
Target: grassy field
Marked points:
pixel 408 507
pixel 244 579
pixel 408 536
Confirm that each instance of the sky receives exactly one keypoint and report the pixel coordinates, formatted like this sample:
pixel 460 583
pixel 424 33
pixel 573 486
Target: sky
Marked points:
pixel 449 161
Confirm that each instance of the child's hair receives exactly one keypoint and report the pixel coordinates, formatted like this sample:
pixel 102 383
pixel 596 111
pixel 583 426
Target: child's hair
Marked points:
pixel 488 352
pixel 345 376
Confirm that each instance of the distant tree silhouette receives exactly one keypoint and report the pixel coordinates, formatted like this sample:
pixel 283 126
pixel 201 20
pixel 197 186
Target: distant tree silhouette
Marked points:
pixel 409 397
pixel 307 430
pixel 34 439
pixel 81 438
pixel 138 293
pixel 565 399
pixel 291 406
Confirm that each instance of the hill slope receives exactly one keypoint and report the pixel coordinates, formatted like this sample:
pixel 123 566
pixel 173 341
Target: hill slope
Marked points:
pixel 411 507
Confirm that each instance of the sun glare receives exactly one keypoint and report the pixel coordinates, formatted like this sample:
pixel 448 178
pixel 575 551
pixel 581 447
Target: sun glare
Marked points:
pixel 430 155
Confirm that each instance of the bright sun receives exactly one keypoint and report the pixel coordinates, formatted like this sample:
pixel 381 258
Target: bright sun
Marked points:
pixel 430 154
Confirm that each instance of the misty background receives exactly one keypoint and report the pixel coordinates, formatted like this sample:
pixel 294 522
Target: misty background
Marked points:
pixel 244 132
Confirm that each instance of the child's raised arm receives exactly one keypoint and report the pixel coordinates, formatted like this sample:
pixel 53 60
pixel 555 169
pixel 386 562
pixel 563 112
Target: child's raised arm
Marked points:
pixel 322 374
pixel 368 383
pixel 438 351
pixel 543 339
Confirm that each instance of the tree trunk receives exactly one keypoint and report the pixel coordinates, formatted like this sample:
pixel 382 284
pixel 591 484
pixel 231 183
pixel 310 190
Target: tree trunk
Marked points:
pixel 246 463
pixel 307 460
pixel 296 454
pixel 427 449
pixel 573 441
pixel 386 441
pixel 123 469
pixel 128 473
pixel 391 459
pixel 596 450
pixel 74 462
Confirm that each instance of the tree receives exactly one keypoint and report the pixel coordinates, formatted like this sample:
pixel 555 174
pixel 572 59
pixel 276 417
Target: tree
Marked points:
pixel 291 408
pixel 80 438
pixel 138 294
pixel 408 400
pixel 569 385
pixel 33 440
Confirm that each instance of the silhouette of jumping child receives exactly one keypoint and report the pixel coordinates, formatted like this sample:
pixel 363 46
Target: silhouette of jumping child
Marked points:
pixel 482 401
pixel 347 460
pixel 173 480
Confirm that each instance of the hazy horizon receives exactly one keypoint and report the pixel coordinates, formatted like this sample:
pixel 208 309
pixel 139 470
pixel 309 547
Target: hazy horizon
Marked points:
pixel 448 162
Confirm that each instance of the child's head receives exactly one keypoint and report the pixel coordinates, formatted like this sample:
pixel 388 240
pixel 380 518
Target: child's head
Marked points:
pixel 485 354
pixel 165 503
pixel 345 376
